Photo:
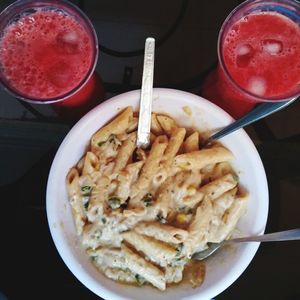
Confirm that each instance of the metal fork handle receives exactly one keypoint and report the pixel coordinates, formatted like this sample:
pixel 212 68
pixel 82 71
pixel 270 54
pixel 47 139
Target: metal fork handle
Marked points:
pixel 256 114
pixel 288 235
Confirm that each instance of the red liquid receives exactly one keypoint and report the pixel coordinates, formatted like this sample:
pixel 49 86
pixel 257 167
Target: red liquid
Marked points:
pixel 49 54
pixel 45 55
pixel 90 95
pixel 261 53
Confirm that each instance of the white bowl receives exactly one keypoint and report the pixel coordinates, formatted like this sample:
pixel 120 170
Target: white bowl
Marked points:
pixel 223 268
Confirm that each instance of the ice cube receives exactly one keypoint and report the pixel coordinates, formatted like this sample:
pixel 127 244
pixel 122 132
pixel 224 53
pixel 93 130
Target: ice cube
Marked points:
pixel 243 49
pixel 70 37
pixel 272 47
pixel 257 85
pixel 68 42
pixel 60 74
pixel 244 55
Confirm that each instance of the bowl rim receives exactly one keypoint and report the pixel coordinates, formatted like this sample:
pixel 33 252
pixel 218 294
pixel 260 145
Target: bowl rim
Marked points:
pixel 60 244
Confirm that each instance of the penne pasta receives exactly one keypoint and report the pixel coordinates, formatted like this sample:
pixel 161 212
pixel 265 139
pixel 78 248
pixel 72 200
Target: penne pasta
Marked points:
pixel 191 143
pixel 157 251
pixel 216 188
pixel 176 139
pixel 79 165
pixel 199 228
pixel 221 169
pixel 97 202
pixel 230 218
pixel 126 178
pixel 91 236
pixel 150 167
pixel 174 274
pixel 90 163
pixel 164 199
pixel 125 152
pixel 116 126
pixel 200 159
pixel 75 197
pixel 106 257
pixel 142 267
pixel 142 213
pixel 167 124
pixel 120 275
pixel 155 126
pixel 220 206
pixel 133 124
pixel 186 191
pixel 166 233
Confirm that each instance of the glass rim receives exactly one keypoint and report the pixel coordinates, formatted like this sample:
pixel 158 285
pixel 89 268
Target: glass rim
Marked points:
pixel 91 70
pixel 223 65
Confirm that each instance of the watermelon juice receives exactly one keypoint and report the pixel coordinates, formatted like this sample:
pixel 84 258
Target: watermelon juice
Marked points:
pixel 48 53
pixel 259 57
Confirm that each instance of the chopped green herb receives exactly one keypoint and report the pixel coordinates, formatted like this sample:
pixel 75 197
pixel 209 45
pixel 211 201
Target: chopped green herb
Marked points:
pixel 94 258
pixel 181 209
pixel 185 210
pixel 112 139
pixel 101 143
pixel 114 202
pixel 148 202
pixel 85 201
pixel 148 199
pixel 139 279
pixel 103 220
pixel 179 261
pixel 236 177
pixel 86 190
pixel 161 219
pixel 96 235
pixel 179 249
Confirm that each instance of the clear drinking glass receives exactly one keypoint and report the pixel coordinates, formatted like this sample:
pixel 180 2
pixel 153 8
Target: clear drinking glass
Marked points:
pixel 48 54
pixel 259 56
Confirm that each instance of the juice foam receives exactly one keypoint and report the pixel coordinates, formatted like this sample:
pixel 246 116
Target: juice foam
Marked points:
pixel 45 54
pixel 262 54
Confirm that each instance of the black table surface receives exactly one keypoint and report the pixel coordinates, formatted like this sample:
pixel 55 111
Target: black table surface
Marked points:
pixel 31 267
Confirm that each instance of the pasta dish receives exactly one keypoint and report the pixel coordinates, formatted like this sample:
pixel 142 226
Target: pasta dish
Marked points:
pixel 142 213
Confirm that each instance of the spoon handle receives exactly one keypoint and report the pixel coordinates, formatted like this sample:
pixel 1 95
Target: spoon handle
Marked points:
pixel 288 235
pixel 256 114
pixel 144 124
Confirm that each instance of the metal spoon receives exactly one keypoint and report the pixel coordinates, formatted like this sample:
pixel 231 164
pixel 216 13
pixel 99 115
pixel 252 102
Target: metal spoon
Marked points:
pixel 144 124
pixel 288 235
pixel 256 114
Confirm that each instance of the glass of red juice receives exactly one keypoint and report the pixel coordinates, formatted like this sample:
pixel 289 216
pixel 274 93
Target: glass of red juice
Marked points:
pixel 48 54
pixel 259 57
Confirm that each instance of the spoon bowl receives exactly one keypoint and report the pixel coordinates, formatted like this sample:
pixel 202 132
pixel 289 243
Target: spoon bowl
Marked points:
pixel 261 111
pixel 288 235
